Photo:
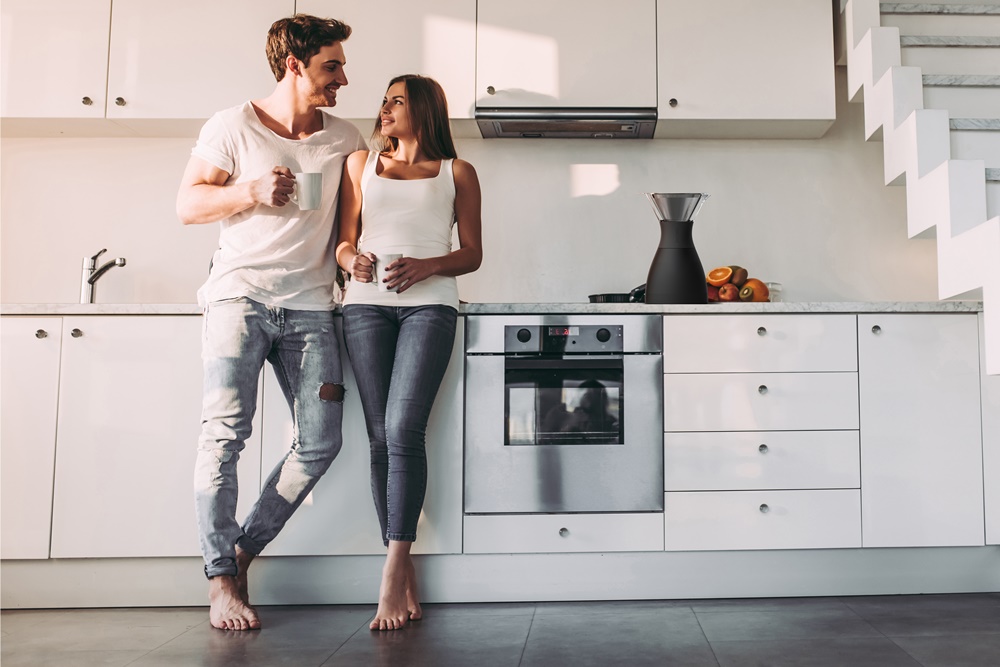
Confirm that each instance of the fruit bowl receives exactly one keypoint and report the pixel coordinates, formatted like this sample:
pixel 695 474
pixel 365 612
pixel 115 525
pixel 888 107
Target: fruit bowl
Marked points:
pixel 734 284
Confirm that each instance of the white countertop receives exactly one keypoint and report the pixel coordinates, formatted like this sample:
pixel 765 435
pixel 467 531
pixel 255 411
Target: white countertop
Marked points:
pixel 57 309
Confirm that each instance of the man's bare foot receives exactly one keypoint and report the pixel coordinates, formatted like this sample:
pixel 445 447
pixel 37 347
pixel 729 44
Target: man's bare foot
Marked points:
pixel 227 610
pixel 393 608
pixel 243 560
pixel 412 599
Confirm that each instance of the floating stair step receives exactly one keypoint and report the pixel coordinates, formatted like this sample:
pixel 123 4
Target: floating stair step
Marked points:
pixel 976 139
pixel 962 80
pixel 936 8
pixel 993 175
pixel 974 124
pixel 972 60
pixel 949 41
pixel 945 24
pixel 962 95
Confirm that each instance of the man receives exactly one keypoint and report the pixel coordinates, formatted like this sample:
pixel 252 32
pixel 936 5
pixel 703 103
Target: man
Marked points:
pixel 269 295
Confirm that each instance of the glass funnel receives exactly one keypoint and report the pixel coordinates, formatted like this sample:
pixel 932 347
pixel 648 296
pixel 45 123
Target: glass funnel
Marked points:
pixel 676 206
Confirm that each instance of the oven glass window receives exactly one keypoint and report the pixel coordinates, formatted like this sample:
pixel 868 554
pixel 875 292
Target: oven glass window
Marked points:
pixel 570 406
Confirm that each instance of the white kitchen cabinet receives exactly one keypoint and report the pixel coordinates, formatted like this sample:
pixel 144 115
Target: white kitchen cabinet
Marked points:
pixel 921 433
pixel 563 533
pixel 338 517
pixel 29 347
pixel 153 69
pixel 439 41
pixel 129 419
pixel 744 69
pixel 54 58
pixel 188 59
pixel 991 442
pixel 566 53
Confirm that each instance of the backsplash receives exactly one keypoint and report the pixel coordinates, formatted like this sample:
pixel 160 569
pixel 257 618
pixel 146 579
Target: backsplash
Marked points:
pixel 561 218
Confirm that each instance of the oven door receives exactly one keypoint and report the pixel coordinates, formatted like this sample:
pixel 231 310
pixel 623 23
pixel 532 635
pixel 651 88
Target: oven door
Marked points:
pixel 581 434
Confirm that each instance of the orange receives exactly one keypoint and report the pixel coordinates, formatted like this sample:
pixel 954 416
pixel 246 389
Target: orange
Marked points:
pixel 758 290
pixel 720 276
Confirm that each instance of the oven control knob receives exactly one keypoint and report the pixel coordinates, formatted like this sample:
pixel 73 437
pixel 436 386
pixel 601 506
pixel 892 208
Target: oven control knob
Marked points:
pixel 523 335
pixel 603 335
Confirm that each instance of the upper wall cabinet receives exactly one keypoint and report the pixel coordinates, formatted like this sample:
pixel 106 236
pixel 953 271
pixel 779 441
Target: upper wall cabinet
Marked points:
pixel 54 58
pixel 160 70
pixel 566 53
pixel 735 69
pixel 439 41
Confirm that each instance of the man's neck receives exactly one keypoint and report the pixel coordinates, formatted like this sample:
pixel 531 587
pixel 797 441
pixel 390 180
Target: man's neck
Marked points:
pixel 285 114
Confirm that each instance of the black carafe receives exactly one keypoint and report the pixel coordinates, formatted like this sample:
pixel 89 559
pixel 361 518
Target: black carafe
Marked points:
pixel 676 274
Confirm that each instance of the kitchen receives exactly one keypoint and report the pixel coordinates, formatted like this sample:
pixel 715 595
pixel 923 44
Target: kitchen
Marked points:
pixel 562 219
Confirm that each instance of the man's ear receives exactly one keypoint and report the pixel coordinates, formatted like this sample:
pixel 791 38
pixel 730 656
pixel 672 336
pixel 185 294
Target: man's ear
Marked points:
pixel 293 65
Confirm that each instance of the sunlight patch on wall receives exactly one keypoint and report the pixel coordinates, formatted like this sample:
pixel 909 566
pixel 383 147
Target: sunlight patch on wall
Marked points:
pixel 593 179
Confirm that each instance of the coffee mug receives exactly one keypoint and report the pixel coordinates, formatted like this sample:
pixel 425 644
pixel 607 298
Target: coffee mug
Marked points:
pixel 379 272
pixel 308 193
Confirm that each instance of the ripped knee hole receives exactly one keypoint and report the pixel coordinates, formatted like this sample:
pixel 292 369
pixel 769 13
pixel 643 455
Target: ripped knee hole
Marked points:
pixel 329 391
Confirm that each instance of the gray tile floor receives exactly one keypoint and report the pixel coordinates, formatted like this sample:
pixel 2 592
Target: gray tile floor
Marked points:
pixel 883 631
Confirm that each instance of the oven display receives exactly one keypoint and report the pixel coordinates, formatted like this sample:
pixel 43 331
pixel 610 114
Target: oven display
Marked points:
pixel 563 331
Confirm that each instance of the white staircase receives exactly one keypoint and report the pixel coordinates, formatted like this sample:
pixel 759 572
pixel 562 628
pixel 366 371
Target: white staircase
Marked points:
pixel 929 77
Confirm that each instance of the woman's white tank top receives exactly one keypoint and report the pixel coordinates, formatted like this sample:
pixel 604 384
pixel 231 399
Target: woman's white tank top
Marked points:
pixel 413 218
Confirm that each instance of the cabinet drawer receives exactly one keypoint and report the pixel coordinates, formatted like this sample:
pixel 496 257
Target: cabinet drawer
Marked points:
pixel 733 520
pixel 761 460
pixel 760 402
pixel 759 343
pixel 561 533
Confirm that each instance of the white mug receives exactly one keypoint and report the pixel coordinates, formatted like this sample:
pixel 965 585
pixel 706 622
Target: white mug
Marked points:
pixel 379 272
pixel 308 193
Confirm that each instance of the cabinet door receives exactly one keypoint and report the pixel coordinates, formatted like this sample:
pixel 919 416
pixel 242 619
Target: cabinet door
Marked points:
pixel 730 60
pixel 568 53
pixel 439 41
pixel 338 516
pixel 30 384
pixel 921 435
pixel 129 420
pixel 991 442
pixel 54 58
pixel 189 58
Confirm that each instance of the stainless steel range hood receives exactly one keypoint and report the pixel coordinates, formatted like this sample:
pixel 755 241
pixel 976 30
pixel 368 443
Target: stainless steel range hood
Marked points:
pixel 566 123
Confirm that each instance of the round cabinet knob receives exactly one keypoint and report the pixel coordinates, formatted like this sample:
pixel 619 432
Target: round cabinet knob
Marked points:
pixel 876 329
pixel 120 101
pixel 603 335
pixel 41 333
pixel 764 509
pixel 672 102
pixel 563 532
pixel 761 331
pixel 523 335
pixel 491 90
pixel 762 389
pixel 75 333
pixel 87 101
pixel 762 449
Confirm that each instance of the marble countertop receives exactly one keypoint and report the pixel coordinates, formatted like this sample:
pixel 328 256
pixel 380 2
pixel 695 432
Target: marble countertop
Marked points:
pixel 57 309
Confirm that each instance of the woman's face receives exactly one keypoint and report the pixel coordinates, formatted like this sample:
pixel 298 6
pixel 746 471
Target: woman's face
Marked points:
pixel 395 117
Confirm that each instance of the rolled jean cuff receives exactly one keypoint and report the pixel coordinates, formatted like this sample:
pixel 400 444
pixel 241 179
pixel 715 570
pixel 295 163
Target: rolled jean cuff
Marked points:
pixel 221 571
pixel 401 537
pixel 249 546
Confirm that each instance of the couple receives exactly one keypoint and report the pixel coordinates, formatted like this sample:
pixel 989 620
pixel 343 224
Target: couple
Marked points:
pixel 270 296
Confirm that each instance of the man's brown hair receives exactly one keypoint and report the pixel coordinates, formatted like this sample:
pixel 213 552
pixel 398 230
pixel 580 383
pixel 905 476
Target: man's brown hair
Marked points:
pixel 301 36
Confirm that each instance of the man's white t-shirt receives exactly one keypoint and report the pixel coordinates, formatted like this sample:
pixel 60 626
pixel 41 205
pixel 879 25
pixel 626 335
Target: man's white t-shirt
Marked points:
pixel 276 255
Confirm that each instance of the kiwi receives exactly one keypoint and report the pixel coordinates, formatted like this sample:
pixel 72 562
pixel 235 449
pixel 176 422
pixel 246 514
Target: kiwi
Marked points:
pixel 740 275
pixel 746 294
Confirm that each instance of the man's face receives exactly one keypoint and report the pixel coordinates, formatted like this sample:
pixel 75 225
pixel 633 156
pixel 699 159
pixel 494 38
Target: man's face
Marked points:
pixel 324 76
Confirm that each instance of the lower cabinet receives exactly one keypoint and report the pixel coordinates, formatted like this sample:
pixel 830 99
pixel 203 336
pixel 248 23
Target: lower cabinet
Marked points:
pixel 338 517
pixel 563 533
pixel 921 430
pixel 129 419
pixel 29 348
pixel 733 520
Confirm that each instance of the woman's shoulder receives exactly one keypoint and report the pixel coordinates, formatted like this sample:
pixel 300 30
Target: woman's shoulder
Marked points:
pixel 464 171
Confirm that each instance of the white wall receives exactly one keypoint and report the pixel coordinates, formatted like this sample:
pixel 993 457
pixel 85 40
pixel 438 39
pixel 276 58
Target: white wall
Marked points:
pixel 561 219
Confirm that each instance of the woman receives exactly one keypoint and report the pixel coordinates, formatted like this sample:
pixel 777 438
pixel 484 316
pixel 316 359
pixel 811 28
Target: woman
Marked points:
pixel 403 199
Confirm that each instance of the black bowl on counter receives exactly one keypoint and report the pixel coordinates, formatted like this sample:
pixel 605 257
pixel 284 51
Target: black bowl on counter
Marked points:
pixel 609 298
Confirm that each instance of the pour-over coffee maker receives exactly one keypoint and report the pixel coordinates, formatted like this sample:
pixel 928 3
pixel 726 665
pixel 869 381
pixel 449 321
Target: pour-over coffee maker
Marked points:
pixel 676 274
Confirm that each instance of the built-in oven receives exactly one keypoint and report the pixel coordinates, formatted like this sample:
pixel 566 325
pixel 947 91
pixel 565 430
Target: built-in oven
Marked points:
pixel 563 414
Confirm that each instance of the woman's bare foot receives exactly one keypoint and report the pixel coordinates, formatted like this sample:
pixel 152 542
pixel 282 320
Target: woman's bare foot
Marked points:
pixel 227 611
pixel 412 599
pixel 393 603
